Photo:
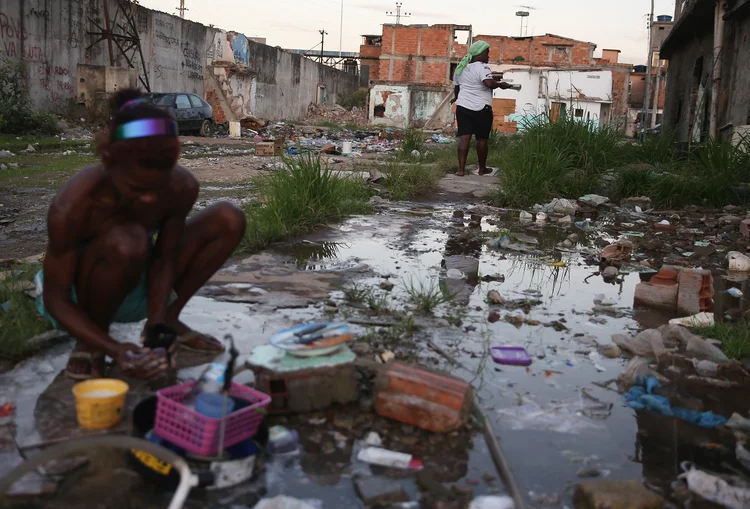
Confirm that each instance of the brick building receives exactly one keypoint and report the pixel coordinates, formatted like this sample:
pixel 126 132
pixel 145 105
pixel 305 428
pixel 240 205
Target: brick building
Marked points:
pixel 428 55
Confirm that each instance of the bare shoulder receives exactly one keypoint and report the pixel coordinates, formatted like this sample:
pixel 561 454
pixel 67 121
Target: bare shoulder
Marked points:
pixel 72 198
pixel 185 186
pixel 72 205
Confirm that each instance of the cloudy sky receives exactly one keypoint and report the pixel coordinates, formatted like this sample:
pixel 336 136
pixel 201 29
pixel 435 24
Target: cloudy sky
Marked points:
pixel 295 23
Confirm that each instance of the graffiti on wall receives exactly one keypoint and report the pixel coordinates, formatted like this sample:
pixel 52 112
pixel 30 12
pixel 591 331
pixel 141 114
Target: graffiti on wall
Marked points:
pixel 191 64
pixel 240 48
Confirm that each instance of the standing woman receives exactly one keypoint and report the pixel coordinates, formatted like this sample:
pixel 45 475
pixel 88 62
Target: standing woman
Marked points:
pixel 473 87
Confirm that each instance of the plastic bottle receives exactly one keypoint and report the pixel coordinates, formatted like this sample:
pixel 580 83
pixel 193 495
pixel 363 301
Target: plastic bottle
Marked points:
pixel 386 458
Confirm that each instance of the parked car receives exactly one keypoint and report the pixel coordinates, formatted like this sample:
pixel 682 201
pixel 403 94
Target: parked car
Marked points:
pixel 193 114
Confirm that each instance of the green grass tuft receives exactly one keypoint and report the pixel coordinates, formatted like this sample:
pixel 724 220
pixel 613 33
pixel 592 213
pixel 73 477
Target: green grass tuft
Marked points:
pixel 21 321
pixel 409 181
pixel 299 200
pixel 735 338
pixel 426 297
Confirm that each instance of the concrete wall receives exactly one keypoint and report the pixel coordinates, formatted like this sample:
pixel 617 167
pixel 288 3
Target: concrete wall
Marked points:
pixel 409 105
pixel 51 36
pixel 578 89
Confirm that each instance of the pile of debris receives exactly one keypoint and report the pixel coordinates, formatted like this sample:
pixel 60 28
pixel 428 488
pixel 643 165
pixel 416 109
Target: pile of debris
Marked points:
pixel 336 113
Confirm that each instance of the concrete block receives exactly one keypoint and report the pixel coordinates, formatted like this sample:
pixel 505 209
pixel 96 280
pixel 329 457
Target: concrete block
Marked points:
pixel 745 227
pixel 695 292
pixel 656 296
pixel 379 490
pixel 615 495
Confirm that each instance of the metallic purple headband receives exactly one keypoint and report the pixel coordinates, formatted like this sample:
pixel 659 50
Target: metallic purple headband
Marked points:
pixel 145 128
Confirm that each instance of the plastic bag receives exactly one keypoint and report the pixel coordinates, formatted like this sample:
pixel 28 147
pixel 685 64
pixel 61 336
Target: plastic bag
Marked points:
pixel 701 349
pixel 717 490
pixel 492 502
pixel 616 253
pixel 648 343
pixel 559 417
pixel 635 369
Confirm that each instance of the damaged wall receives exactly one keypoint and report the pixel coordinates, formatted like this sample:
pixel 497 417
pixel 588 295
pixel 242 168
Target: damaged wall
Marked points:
pixel 52 37
pixel 408 106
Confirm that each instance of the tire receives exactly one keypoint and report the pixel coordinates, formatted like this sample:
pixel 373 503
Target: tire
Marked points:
pixel 207 128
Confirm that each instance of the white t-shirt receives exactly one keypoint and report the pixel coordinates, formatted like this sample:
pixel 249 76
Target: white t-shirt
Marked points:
pixel 474 95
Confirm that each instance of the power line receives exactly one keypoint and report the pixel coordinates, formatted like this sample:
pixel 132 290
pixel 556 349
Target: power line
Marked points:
pixel 182 8
pixel 398 14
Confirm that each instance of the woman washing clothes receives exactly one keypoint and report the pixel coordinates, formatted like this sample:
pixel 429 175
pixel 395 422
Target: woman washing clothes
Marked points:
pixel 474 84
pixel 122 249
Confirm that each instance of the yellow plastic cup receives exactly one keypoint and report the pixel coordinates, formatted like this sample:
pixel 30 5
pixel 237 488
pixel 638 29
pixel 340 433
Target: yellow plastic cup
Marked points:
pixel 100 403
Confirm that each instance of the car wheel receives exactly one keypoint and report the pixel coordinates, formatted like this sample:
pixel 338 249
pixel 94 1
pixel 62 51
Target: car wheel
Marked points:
pixel 207 128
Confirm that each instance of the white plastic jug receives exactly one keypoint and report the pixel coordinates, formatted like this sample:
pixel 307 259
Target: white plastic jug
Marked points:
pixel 234 130
pixel 347 148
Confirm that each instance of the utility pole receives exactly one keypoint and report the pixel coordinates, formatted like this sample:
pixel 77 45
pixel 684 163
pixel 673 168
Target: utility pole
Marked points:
pixel 648 73
pixel 323 34
pixel 182 8
pixel 398 14
pixel 341 29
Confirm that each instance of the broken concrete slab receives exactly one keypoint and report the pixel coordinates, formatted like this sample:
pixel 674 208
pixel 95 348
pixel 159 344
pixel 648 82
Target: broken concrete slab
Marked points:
pixel 380 490
pixel 615 495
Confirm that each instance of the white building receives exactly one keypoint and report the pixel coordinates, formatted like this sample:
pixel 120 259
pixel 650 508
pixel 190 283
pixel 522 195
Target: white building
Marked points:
pixel 583 94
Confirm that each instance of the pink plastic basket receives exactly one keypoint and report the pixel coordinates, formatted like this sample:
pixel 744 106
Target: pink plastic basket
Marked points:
pixel 198 434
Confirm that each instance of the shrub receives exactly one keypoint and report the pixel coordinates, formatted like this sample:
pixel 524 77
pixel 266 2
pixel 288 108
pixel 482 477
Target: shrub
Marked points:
pixel 17 113
pixel 357 99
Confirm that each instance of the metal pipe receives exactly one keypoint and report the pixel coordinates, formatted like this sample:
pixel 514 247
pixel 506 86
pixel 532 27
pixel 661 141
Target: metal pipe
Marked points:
pixel 187 479
pixel 655 104
pixel 716 76
pixel 648 74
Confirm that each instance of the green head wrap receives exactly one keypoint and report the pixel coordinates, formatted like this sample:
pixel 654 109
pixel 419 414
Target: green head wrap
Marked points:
pixel 475 50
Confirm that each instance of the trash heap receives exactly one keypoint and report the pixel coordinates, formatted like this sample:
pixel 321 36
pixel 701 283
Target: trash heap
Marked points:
pixel 685 389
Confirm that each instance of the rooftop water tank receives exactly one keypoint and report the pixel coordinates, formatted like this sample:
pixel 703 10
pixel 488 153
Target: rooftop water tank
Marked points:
pixel 664 19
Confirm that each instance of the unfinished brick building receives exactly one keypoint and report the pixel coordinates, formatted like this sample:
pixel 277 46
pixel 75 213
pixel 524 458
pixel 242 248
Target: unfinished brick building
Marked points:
pixel 428 55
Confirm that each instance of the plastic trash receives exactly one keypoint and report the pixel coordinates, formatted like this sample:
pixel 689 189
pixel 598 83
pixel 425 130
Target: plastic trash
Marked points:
pixel 285 502
pixel 373 439
pixel 511 355
pixel 492 502
pixel 282 440
pixel 596 360
pixel 738 262
pixel 641 397
pixel 618 252
pixel 743 456
pixel 648 343
pixel 455 274
pixel 638 368
pixel 565 220
pixel 734 292
pixel 705 368
pixel 715 489
pixel 561 206
pixel 583 225
pixel 541 217
pixel 702 349
pixel 386 458
pixel 736 421
pixel 699 320
pixel 415 153
pixel 593 199
pixel 525 217
pixel 560 417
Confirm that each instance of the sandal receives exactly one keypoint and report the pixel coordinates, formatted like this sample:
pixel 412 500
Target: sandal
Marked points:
pixel 459 173
pixel 198 338
pixel 94 360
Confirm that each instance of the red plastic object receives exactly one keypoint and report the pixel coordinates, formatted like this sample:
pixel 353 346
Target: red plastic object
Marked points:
pixel 198 434
pixel 513 355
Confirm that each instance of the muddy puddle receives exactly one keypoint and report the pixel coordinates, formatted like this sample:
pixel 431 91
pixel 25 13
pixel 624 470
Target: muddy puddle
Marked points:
pixel 555 424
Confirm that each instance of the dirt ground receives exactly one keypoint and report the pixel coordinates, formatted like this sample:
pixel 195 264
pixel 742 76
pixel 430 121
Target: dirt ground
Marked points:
pixel 224 167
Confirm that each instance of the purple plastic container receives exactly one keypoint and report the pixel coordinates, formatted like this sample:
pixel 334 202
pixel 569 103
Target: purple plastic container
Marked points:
pixel 513 355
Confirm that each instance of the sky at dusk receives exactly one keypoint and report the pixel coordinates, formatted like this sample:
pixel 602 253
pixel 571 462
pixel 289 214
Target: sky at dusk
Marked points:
pixel 294 24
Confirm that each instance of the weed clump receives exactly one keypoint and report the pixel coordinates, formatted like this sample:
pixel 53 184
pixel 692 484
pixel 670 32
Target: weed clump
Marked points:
pixel 306 196
pixel 17 113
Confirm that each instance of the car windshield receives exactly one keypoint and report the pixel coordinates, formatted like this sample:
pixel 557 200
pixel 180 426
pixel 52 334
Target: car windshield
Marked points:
pixel 161 99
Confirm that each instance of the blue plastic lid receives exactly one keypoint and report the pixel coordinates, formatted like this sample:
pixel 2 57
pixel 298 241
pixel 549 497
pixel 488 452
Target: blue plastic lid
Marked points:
pixel 211 405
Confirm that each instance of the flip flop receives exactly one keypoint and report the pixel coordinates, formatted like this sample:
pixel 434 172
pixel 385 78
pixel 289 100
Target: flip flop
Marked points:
pixel 455 174
pixel 96 362
pixel 190 336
